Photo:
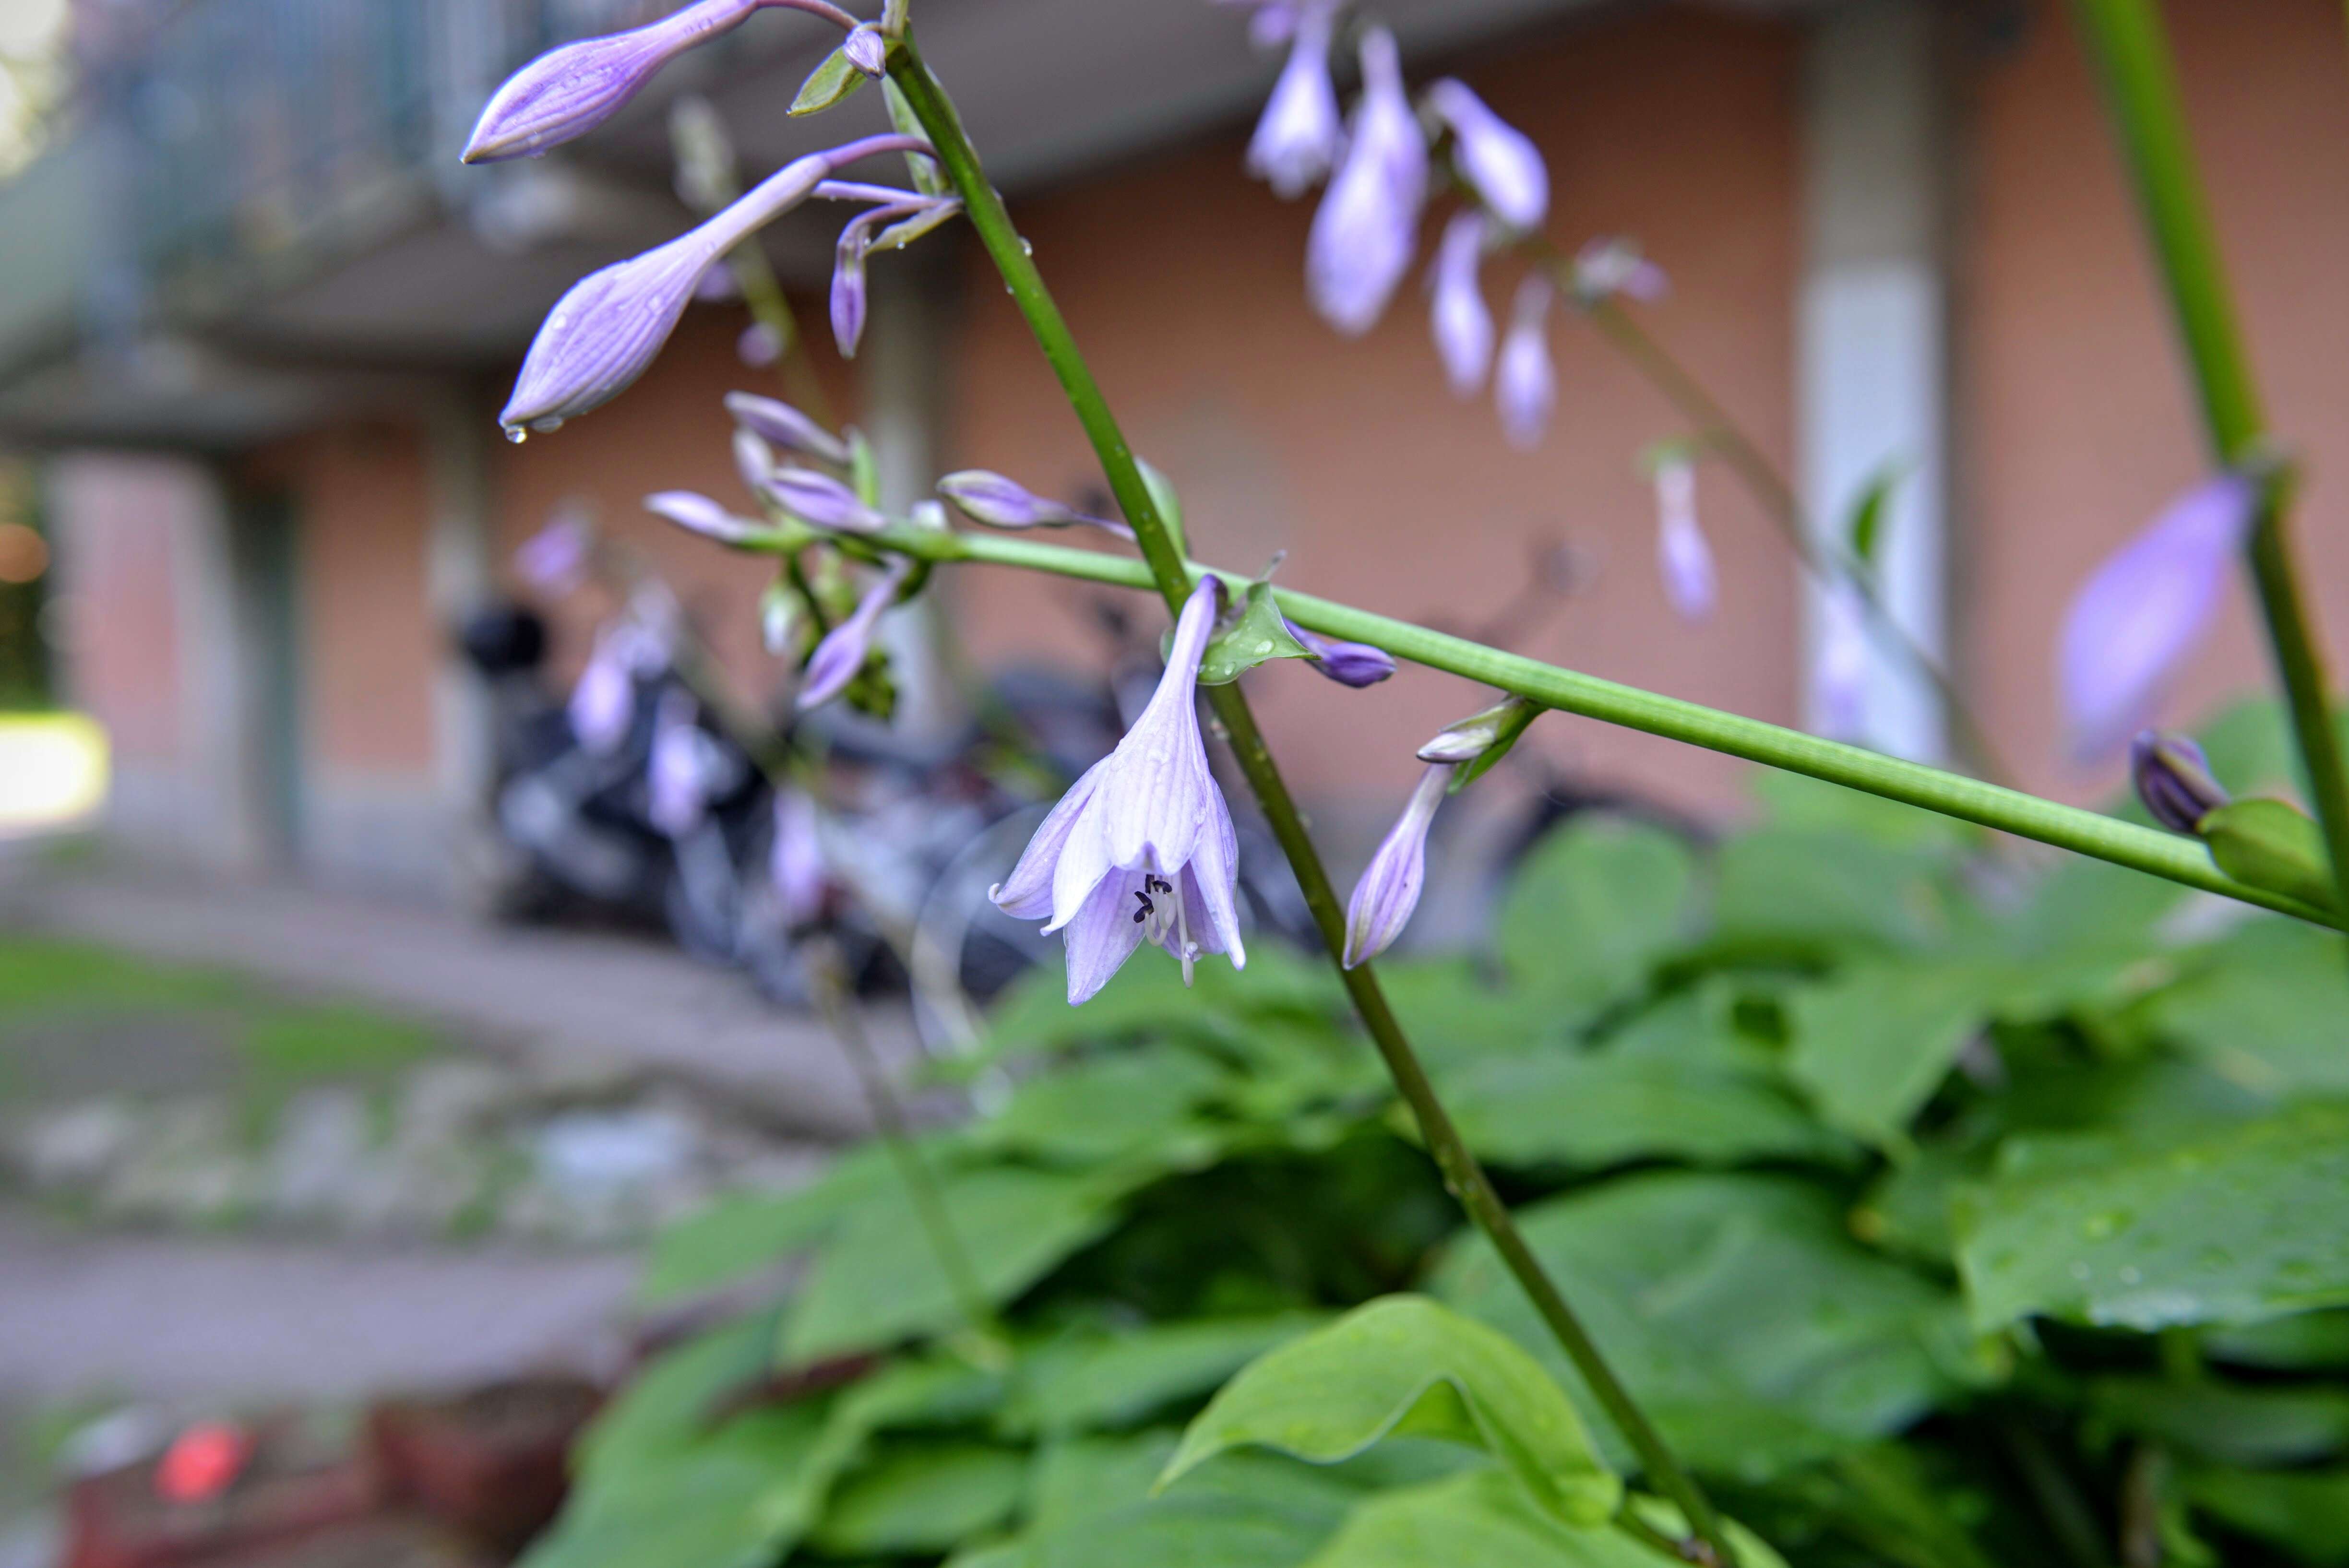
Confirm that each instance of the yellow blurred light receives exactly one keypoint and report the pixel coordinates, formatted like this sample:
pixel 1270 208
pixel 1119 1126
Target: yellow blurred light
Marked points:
pixel 53 772
pixel 24 554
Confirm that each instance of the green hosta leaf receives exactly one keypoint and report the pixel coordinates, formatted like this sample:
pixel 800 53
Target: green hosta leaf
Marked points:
pixel 1866 527
pixel 744 1234
pixel 1077 1478
pixel 921 1497
pixel 1592 910
pixel 1601 1109
pixel 1480 1521
pixel 1116 1104
pixel 2228 1422
pixel 1087 1379
pixel 1256 636
pixel 1907 1210
pixel 1872 1044
pixel 1756 1334
pixel 2270 845
pixel 2305 1512
pixel 878 1280
pixel 2226 1226
pixel 2268 1013
pixel 1147 998
pixel 1452 1011
pixel 2317 1341
pixel 833 81
pixel 1404 1366
pixel 668 1404
pixel 1794 887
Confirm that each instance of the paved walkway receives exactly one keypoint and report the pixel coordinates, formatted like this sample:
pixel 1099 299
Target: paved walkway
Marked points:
pixel 567 1001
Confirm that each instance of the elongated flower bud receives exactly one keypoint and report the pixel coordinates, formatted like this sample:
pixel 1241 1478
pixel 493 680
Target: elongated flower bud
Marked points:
pixel 1298 137
pixel 1498 159
pixel 786 426
pixel 1840 664
pixel 760 344
pixel 1368 225
pixel 1610 266
pixel 1478 733
pixel 568 91
pixel 1355 664
pixel 1463 323
pixel 754 461
pixel 848 295
pixel 603 333
pixel 1388 894
pixel 677 772
pixel 843 650
pixel 796 863
pixel 1681 553
pixel 2172 776
pixel 2142 612
pixel 1001 502
pixel 1525 384
pixel 823 502
pixel 866 49
pixel 780 609
pixel 695 512
pixel 556 559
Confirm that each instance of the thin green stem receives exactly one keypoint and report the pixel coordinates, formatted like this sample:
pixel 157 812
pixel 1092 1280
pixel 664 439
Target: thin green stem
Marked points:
pixel 1172 575
pixel 2166 855
pixel 2132 55
pixel 1826 563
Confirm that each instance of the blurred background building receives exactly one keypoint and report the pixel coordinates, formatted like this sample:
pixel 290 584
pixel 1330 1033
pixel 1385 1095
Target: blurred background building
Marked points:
pixel 256 321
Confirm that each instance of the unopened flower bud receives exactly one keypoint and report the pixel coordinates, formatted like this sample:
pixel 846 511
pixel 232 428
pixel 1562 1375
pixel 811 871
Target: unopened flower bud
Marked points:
pixel 1497 158
pixel 1388 894
pixel 1463 323
pixel 1525 384
pixel 928 514
pixel 780 612
pixel 754 461
pixel 2173 779
pixel 1610 266
pixel 1301 133
pixel 568 91
pixel 786 426
pixel 823 502
pixel 1367 226
pixel 866 49
pixel 796 863
pixel 1355 664
pixel 843 650
pixel 1479 732
pixel 690 510
pixel 1682 555
pixel 760 345
pixel 1000 502
pixel 556 559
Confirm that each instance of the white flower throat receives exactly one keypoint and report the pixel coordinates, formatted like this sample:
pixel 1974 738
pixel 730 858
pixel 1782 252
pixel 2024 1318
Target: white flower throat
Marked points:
pixel 1162 912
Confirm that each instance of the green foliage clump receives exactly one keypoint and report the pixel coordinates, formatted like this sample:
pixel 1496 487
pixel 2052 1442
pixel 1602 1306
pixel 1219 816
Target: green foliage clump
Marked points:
pixel 1938 1215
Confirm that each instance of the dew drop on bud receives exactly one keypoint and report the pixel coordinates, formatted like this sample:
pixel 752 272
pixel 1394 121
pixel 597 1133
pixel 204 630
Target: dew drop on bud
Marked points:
pixel 517 434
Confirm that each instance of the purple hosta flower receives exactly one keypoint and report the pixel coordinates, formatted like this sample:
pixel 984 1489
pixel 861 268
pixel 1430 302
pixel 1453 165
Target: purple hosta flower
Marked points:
pixel 1355 664
pixel 603 702
pixel 1839 664
pixel 866 49
pixel 1389 891
pixel 1142 846
pixel 754 461
pixel 1607 267
pixel 690 510
pixel 605 331
pixel 760 345
pixel 1462 321
pixel 1368 225
pixel 555 560
pixel 2172 775
pixel 1681 553
pixel 1301 135
pixel 1525 382
pixel 841 653
pixel 1498 159
pixel 718 284
pixel 795 861
pixel 568 91
pixel 1276 22
pixel 1000 502
pixel 2141 611
pixel 848 295
pixel 823 502
pixel 677 772
pixel 786 426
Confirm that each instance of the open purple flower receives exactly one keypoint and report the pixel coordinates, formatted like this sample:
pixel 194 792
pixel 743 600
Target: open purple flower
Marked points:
pixel 2142 611
pixel 786 426
pixel 1500 160
pixel 602 334
pixel 1368 225
pixel 842 651
pixel 1142 846
pixel 823 502
pixel 1839 664
pixel 1301 135
pixel 1525 382
pixel 1681 553
pixel 1356 665
pixel 570 90
pixel 1388 893
pixel 697 512
pixel 1463 323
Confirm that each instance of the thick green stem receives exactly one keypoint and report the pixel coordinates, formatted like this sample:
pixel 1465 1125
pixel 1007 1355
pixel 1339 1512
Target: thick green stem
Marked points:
pixel 2132 55
pixel 2166 855
pixel 1172 577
